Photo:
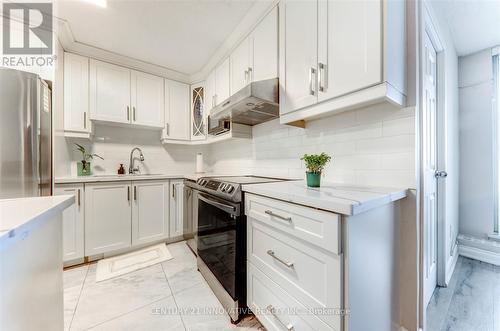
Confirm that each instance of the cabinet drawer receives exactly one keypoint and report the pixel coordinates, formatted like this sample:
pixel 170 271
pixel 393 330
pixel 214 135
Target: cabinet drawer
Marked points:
pixel 317 227
pixel 311 275
pixel 274 308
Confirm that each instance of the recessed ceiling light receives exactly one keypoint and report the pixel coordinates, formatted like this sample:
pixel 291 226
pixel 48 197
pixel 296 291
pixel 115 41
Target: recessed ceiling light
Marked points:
pixel 99 3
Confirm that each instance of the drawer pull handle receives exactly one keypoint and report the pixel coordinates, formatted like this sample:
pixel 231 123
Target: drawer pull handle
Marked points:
pixel 288 219
pixel 271 309
pixel 288 264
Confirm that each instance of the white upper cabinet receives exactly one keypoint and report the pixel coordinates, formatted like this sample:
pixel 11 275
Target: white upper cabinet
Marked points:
pixel 177 111
pixel 147 94
pixel 210 92
pixel 298 78
pixel 265 48
pixel 222 82
pixel 150 211
pixel 198 114
pixel 350 47
pixel 76 96
pixel 340 55
pixel 109 92
pixel 241 65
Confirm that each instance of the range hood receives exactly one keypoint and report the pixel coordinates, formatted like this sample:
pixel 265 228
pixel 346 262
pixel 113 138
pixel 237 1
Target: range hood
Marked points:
pixel 256 103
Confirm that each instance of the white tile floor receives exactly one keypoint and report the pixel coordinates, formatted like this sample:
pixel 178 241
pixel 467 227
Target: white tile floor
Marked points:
pixel 160 297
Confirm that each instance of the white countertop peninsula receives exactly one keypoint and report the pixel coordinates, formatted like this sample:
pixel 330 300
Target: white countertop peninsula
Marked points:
pixel 338 198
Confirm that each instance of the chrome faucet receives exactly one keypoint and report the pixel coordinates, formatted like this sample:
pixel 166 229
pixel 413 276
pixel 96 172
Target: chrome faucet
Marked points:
pixel 131 169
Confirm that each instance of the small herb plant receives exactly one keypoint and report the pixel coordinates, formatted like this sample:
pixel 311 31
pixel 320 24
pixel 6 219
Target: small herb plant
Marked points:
pixel 316 162
pixel 86 156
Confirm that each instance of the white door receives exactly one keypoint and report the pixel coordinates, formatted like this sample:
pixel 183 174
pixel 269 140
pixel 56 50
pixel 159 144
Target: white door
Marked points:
pixel 209 92
pixel 176 208
pixel 73 222
pixel 349 48
pixel 177 111
pixel 76 93
pixel 222 82
pixel 299 20
pixel 109 92
pixel 265 48
pixel 240 61
pixel 107 217
pixel 150 211
pixel 148 99
pixel 429 117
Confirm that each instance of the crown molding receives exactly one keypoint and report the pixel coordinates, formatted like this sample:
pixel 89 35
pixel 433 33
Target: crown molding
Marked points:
pixel 69 44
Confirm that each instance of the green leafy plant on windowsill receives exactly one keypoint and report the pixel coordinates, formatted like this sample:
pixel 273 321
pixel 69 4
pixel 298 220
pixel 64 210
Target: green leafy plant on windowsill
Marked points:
pixel 315 163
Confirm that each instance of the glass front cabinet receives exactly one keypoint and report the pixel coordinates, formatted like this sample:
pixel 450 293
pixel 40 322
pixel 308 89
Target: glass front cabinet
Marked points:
pixel 198 116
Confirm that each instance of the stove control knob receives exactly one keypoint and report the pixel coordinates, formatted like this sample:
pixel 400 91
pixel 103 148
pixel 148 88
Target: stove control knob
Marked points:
pixel 230 189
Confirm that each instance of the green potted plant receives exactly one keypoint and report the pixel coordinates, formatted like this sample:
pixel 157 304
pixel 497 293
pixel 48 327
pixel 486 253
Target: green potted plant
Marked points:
pixel 84 167
pixel 315 164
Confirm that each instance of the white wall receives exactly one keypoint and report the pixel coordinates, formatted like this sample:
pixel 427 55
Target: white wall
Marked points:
pixel 449 160
pixel 476 144
pixel 373 146
pixel 114 145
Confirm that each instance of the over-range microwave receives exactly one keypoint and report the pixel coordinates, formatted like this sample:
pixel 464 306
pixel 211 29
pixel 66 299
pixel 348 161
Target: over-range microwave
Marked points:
pixel 218 126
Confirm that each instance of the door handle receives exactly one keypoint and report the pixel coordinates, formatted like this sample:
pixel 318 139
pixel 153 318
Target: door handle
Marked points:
pixel 273 255
pixel 133 112
pixel 245 80
pixel 78 197
pixel 135 193
pixel 270 213
pixel 271 309
pixel 173 191
pixel 85 120
pixel 168 129
pixel 249 74
pixel 128 113
pixel 128 193
pixel 312 72
pixel 440 174
pixel 323 77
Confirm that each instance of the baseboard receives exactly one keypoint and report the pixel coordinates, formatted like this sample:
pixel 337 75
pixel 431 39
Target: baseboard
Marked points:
pixel 479 254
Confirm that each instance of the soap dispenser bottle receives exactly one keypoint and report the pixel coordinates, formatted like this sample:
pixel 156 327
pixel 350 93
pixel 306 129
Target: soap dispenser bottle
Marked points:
pixel 121 170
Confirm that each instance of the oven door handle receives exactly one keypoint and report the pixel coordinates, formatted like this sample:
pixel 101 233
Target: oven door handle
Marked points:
pixel 227 208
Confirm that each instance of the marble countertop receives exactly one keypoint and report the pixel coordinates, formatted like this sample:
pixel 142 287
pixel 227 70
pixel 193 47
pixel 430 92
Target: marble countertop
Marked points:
pixel 114 178
pixel 21 215
pixel 338 198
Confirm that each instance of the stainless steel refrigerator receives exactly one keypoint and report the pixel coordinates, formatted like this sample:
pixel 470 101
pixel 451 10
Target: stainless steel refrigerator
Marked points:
pixel 25 135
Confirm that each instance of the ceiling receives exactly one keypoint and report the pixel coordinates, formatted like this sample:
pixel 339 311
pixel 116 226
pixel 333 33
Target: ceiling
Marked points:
pixel 474 24
pixel 179 35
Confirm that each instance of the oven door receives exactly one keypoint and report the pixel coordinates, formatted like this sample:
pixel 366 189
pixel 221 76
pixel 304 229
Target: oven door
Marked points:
pixel 221 240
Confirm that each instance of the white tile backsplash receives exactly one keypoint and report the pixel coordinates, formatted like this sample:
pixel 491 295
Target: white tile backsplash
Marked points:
pixel 372 146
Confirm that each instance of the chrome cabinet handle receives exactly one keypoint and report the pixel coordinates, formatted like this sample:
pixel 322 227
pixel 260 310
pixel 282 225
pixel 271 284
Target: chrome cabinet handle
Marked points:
pixel 135 193
pixel 168 131
pixel 128 113
pixel 271 309
pixel 312 72
pixel 270 213
pixel 273 255
pixel 78 197
pixel 133 112
pixel 440 174
pixel 173 191
pixel 85 120
pixel 323 77
pixel 128 193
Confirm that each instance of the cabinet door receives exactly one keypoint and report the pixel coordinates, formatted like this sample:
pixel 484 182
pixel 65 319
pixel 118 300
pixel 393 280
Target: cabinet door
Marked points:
pixel 176 208
pixel 109 92
pixel 148 99
pixel 177 112
pixel 150 211
pixel 222 82
pixel 240 61
pixel 73 222
pixel 209 92
pixel 107 217
pixel 198 116
pixel 265 48
pixel 76 93
pixel 350 41
pixel 298 34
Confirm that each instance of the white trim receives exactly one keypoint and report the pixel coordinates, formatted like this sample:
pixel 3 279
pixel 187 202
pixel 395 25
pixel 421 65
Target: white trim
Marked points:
pixel 479 254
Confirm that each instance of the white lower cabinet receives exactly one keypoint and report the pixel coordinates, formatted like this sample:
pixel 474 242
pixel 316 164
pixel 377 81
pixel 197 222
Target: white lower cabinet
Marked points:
pixel 176 208
pixel 73 222
pixel 150 211
pixel 107 217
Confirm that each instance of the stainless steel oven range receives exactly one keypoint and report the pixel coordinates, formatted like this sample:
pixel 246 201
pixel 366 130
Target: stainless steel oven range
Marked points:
pixel 221 239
